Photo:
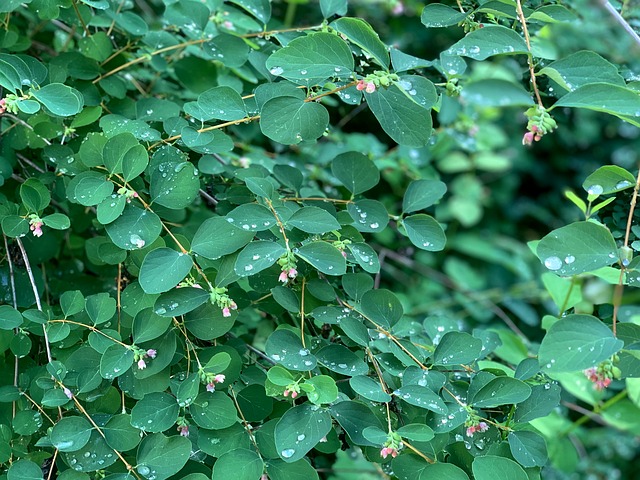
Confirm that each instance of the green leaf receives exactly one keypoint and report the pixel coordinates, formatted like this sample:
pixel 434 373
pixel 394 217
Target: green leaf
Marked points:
pixel 251 217
pixel 70 434
pixel 207 322
pixel 360 32
pixel 313 220
pixel 213 411
pixel 164 456
pixel 422 397
pixel 238 464
pixel 416 432
pixel 100 307
pixel 485 42
pixel 437 15
pixel 111 208
pixel 369 388
pixel 120 434
pixel 326 390
pixel 405 121
pixel 582 68
pixel 257 256
pixel 355 171
pixel 290 120
pixel 95 455
pixel 230 50
pixel 209 142
pixel 280 376
pixel 421 194
pixel 425 232
pixel 89 188
pixel 115 361
pixel 496 92
pixel 312 59
pixel 368 215
pixel 222 103
pixel 261 9
pixel 577 342
pixel 543 399
pixel 285 347
pixel 57 221
pixel 458 348
pixel 124 154
pixel 577 248
pixel 174 185
pixel 300 470
pixel 299 430
pixel 354 417
pixel 608 179
pixel 491 467
pixel 217 237
pixel 501 391
pixel 528 448
pixel 24 470
pixel 411 467
pixel 382 306
pixel 340 359
pixel 15 226
pixel 35 196
pixel 180 301
pixel 603 97
pixel 324 257
pixel 134 229
pixel 188 390
pixel 10 318
pixel 162 269
pixel 59 99
pixel 365 256
pixel 332 7
pixel 156 412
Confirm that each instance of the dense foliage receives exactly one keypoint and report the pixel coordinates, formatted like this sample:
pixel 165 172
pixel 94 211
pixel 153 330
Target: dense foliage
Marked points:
pixel 252 239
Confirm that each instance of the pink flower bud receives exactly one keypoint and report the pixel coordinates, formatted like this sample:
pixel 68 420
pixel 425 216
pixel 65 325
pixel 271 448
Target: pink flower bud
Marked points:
pixel 286 392
pixel 292 273
pixel 482 427
pixel 184 430
pixel 219 378
pixel 527 139
pixel 470 431
pixel 226 312
pixel 344 254
pixel 294 394
pixel 141 364
pixel 233 306
pixel 283 277
pixel 361 85
pixel 384 452
pixel 151 353
pixel 371 87
pixel 211 387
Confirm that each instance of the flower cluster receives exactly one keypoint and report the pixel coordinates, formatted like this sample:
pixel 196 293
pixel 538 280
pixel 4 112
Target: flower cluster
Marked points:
pixel 603 374
pixel 288 265
pixel 292 389
pixel 219 297
pixel 10 103
pixel 368 87
pixel 392 445
pixel 375 80
pixel 479 427
pixel 35 225
pixel 540 123
pixel 212 380
pixel 128 194
pixel 140 355
pixel 183 427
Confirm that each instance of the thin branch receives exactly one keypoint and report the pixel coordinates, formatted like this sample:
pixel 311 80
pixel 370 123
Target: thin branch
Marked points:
pixel 620 19
pixel 84 25
pixel 35 294
pixel 12 280
pixel 532 71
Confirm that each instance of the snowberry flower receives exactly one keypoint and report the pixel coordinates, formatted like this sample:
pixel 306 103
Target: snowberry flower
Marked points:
pixel 361 85
pixel 226 312
pixel 528 138
pixel 244 162
pixel 151 353
pixel 479 427
pixel 68 393
pixel 324 439
pixel 197 285
pixel 370 88
pixel 219 378
pixel 233 305
pixel 601 375
pixel 228 25
pixel 211 387
pixel 283 276
pixel 292 273
pixel 264 477
pixel 36 226
pixel 141 364
pixel 344 254
pixel 291 391
pixel 3 106
pixel 386 451
pixel 184 430
pixel 398 9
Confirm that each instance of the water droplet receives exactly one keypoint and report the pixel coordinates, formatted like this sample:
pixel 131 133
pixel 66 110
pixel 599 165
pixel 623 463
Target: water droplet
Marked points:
pixel 276 71
pixel 144 470
pixel 301 437
pixel 595 190
pixel 553 263
pixel 569 259
pixel 287 453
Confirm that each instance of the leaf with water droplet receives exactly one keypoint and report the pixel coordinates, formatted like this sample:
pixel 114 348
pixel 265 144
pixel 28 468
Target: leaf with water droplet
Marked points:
pixel 299 430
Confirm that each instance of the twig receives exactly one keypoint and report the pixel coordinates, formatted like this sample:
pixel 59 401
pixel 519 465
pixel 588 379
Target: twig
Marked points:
pixel 617 294
pixel 208 197
pixel 532 71
pixel 620 19
pixel 12 280
pixel 35 294
pixel 84 25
